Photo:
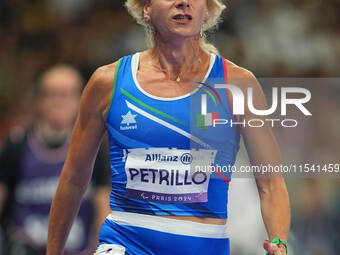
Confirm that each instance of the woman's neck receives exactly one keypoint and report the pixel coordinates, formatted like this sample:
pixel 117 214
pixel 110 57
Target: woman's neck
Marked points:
pixel 177 57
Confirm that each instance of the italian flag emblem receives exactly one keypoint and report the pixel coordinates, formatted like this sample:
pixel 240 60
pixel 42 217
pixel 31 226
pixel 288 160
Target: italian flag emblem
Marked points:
pixel 206 120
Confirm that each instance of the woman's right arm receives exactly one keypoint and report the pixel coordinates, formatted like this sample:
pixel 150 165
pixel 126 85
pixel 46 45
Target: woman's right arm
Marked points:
pixel 77 171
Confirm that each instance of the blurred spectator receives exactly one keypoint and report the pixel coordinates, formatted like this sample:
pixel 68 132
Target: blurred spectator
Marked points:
pixel 313 224
pixel 31 163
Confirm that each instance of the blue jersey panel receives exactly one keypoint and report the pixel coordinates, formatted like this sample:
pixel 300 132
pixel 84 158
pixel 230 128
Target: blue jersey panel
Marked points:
pixel 162 148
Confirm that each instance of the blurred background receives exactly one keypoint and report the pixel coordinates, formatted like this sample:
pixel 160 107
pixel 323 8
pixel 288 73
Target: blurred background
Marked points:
pixel 272 38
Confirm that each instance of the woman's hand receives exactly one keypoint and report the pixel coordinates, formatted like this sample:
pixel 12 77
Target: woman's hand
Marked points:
pixel 274 249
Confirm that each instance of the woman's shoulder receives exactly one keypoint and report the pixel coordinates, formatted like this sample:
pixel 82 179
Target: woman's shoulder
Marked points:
pixel 236 71
pixel 241 77
pixel 97 92
pixel 103 76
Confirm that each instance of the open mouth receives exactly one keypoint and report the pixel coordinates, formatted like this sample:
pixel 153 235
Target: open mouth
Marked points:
pixel 182 17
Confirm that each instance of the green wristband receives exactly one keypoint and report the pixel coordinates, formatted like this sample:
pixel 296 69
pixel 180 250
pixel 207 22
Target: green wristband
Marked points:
pixel 277 240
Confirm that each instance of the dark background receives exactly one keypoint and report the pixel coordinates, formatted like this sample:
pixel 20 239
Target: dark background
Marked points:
pixel 292 38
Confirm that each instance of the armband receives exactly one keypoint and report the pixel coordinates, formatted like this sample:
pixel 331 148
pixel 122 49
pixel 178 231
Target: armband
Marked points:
pixel 278 241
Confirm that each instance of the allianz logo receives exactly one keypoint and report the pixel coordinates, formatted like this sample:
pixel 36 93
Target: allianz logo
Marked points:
pixel 160 157
pixel 185 158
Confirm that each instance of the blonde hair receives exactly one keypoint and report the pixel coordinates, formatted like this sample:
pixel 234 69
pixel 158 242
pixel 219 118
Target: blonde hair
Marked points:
pixel 215 8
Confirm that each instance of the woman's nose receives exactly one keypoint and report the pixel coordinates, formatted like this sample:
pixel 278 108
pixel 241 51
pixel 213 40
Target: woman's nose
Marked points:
pixel 183 4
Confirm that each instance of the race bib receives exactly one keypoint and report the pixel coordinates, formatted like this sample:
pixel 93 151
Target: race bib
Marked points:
pixel 168 175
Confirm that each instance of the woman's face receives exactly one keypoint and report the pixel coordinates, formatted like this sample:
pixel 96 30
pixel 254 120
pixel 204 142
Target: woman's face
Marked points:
pixel 176 17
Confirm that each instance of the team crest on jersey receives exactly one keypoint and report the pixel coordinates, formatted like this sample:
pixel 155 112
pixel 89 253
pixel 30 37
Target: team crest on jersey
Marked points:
pixel 128 121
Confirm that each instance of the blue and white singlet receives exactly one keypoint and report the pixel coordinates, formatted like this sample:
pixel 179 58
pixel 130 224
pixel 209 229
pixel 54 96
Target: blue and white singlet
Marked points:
pixel 161 149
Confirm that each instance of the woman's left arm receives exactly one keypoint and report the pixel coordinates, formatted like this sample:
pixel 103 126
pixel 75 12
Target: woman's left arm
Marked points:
pixel 263 150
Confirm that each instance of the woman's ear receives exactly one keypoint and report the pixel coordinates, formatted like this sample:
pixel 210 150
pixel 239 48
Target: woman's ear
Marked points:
pixel 146 11
pixel 206 15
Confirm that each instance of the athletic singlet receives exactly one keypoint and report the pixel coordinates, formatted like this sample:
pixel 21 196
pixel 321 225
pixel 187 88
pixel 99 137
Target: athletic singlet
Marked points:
pixel 162 150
